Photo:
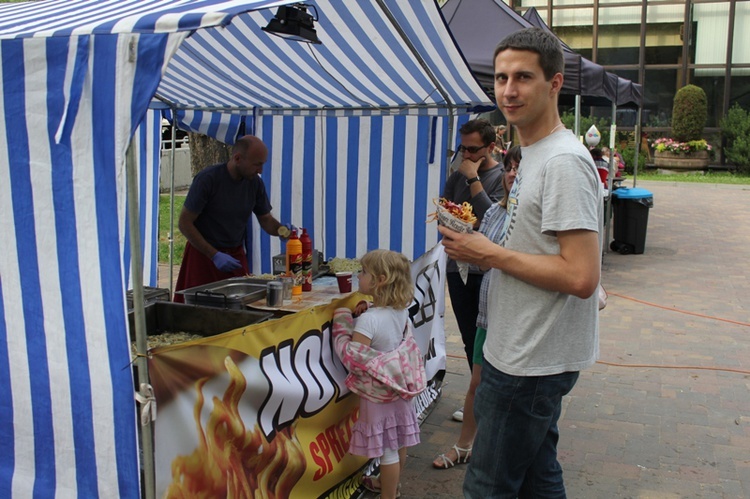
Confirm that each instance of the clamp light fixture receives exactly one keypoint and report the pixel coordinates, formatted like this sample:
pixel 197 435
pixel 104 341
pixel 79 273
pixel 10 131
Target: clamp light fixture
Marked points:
pixel 294 23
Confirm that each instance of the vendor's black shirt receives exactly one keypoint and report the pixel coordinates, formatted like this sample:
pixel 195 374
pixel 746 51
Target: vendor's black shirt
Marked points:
pixel 224 205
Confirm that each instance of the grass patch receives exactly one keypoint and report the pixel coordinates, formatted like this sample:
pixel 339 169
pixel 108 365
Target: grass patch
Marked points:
pixel 708 177
pixel 179 239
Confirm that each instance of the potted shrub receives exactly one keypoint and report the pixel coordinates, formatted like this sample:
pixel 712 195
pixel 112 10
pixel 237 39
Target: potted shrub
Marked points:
pixel 686 149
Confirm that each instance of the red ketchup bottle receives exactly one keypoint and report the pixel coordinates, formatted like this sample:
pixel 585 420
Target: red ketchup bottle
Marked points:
pixel 294 261
pixel 306 260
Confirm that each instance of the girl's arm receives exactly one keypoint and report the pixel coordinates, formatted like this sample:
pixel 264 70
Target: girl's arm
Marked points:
pixel 361 338
pixel 360 309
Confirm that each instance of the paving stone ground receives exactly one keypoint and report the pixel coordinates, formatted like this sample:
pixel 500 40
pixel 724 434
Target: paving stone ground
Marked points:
pixel 666 412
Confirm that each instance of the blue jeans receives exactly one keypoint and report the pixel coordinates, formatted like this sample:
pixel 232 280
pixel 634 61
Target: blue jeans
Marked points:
pixel 515 449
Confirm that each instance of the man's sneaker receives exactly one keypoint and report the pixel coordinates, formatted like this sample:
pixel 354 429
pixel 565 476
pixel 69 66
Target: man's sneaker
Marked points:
pixel 459 415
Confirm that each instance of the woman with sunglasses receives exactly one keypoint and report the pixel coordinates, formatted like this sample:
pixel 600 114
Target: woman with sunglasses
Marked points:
pixel 478 180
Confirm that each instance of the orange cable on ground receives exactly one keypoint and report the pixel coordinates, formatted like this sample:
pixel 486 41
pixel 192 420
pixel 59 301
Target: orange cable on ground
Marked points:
pixel 708 368
pixel 654 366
pixel 740 323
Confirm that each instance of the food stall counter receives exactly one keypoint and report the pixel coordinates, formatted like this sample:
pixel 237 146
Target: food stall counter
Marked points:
pixel 324 290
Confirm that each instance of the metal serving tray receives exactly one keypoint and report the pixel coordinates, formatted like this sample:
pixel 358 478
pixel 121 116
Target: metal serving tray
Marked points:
pixel 233 293
pixel 150 295
pixel 163 317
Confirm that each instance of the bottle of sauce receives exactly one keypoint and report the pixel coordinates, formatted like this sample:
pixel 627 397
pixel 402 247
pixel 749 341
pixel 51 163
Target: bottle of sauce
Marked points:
pixel 294 262
pixel 306 260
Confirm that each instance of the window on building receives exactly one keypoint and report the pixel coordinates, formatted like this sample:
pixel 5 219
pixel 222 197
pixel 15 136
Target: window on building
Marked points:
pixel 659 89
pixel 619 35
pixel 740 45
pixel 710 25
pixel 714 88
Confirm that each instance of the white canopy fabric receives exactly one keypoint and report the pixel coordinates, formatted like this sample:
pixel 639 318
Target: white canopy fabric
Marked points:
pixel 376 105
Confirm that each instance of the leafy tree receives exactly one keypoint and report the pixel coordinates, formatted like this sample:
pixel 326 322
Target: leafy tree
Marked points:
pixel 206 151
pixel 602 124
pixel 628 157
pixel 735 127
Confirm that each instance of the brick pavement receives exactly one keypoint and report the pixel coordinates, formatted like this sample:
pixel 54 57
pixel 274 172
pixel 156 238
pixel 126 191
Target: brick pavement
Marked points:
pixel 647 432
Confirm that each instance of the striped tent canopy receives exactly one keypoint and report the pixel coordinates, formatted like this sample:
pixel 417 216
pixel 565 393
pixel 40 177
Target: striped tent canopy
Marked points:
pixel 357 129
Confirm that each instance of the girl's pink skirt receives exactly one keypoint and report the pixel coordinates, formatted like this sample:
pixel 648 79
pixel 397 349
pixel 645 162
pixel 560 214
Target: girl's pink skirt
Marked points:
pixel 389 425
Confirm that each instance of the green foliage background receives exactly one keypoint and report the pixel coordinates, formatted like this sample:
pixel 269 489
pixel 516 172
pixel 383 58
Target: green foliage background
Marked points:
pixel 689 113
pixel 179 239
pixel 736 129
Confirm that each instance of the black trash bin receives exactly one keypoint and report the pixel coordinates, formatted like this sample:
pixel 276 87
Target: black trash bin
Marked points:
pixel 630 210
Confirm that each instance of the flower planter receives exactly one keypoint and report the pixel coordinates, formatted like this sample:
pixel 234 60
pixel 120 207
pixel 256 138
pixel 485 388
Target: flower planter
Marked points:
pixel 697 160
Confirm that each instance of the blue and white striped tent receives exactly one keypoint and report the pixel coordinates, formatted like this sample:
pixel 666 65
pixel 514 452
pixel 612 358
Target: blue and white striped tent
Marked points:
pixel 357 128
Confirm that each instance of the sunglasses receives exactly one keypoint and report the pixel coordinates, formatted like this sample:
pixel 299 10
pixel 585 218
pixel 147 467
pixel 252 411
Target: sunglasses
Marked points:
pixel 511 168
pixel 471 149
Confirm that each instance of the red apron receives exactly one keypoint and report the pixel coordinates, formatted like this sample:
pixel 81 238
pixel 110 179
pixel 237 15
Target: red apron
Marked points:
pixel 197 269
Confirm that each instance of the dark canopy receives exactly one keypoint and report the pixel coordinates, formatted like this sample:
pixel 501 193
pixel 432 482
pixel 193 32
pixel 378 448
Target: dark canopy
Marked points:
pixel 593 79
pixel 479 25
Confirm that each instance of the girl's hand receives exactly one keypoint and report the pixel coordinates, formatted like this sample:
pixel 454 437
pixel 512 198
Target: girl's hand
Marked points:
pixel 360 309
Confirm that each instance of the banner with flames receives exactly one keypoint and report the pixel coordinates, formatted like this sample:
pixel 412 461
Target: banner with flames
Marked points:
pixel 263 411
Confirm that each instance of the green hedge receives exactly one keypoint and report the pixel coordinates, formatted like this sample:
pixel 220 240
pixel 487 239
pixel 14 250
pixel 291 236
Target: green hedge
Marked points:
pixel 689 113
pixel 736 129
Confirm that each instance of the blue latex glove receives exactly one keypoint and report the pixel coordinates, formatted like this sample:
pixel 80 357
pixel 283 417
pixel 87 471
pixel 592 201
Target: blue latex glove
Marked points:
pixel 225 263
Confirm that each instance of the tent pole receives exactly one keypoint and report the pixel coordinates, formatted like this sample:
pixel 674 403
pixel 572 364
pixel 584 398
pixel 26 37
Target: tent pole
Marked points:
pixel 637 146
pixel 610 179
pixel 417 55
pixel 577 125
pixel 171 204
pixel 449 141
pixel 141 361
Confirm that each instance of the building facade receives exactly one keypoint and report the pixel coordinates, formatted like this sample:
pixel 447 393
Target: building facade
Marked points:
pixel 663 45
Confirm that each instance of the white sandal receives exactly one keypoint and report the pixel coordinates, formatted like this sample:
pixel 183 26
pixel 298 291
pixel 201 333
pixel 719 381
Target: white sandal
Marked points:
pixel 464 455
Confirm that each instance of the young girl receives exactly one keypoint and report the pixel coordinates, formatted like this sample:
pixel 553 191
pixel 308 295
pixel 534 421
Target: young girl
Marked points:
pixel 385 429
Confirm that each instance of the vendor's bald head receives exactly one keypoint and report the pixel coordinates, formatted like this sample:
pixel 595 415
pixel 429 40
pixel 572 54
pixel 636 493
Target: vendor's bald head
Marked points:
pixel 249 154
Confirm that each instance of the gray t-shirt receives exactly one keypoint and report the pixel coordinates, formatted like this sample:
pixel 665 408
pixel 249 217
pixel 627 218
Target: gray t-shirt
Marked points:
pixel 533 331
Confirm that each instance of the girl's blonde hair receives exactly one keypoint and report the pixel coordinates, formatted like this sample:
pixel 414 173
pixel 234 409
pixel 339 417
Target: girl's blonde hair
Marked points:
pixel 396 289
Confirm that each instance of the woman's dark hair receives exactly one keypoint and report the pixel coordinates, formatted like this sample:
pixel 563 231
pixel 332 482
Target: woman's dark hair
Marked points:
pixel 512 156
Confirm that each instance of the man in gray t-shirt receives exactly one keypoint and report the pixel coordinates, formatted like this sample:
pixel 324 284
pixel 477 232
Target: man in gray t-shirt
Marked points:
pixel 542 307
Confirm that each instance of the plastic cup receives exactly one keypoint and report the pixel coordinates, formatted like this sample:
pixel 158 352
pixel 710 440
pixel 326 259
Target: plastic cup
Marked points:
pixel 288 282
pixel 345 281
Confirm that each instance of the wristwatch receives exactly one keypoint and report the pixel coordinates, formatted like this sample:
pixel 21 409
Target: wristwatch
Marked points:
pixel 470 181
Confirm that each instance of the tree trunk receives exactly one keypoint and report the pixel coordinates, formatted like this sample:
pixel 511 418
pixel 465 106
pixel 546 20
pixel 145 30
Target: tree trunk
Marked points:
pixel 206 151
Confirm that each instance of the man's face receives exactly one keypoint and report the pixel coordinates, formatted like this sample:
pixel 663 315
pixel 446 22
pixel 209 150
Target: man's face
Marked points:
pixel 250 163
pixel 473 148
pixel 521 92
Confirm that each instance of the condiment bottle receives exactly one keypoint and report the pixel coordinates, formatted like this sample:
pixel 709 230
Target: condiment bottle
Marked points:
pixel 294 261
pixel 306 260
